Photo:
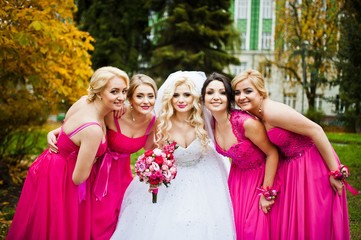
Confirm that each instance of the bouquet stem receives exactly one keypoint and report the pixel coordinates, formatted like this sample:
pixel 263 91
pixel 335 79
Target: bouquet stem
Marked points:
pixel 154 195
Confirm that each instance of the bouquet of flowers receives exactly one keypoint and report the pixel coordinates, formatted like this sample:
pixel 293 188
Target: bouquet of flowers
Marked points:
pixel 157 166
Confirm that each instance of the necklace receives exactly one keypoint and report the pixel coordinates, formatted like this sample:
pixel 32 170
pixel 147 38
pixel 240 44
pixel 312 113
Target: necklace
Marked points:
pixel 132 116
pixel 260 107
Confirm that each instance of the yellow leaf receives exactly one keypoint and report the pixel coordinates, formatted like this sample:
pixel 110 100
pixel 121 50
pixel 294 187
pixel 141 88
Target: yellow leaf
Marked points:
pixel 36 25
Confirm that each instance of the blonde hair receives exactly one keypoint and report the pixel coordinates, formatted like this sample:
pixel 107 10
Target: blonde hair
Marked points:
pixel 101 77
pixel 139 79
pixel 167 111
pixel 256 79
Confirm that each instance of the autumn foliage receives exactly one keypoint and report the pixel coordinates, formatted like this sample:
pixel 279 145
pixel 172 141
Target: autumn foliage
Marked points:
pixel 44 59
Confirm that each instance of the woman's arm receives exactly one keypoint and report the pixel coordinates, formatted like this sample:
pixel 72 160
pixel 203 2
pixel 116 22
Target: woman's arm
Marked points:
pixel 256 132
pixel 90 139
pixel 297 123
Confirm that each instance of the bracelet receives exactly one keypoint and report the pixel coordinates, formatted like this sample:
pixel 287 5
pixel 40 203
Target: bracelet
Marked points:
pixel 268 193
pixel 342 173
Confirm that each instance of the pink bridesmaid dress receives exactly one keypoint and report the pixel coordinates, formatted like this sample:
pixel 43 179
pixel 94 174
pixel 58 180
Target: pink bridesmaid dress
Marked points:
pixel 245 176
pixel 114 176
pixel 51 205
pixel 306 206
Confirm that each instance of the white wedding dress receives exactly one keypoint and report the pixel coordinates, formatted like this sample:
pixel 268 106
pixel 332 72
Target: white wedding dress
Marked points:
pixel 195 206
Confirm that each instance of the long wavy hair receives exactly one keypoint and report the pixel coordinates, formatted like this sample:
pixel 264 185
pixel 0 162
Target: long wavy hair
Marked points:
pixel 167 111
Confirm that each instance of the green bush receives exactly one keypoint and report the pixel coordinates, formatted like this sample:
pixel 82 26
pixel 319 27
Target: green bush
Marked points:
pixel 315 115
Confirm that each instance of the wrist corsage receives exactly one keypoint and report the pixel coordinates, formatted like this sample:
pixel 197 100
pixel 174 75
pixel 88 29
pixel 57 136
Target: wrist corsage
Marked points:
pixel 269 193
pixel 342 173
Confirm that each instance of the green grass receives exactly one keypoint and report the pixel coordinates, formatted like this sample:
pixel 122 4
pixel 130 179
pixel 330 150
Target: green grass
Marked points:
pixel 351 138
pixel 348 148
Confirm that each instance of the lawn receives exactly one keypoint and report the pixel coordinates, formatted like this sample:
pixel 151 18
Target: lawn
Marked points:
pixel 347 146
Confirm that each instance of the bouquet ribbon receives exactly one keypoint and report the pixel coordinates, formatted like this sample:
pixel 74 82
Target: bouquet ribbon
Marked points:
pixel 154 190
pixel 102 180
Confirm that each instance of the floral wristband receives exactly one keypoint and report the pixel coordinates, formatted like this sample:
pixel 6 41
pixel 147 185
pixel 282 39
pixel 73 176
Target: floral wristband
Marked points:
pixel 342 173
pixel 268 192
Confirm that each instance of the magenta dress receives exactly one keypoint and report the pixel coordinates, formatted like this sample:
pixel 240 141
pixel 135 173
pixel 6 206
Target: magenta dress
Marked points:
pixel 245 176
pixel 114 176
pixel 50 204
pixel 306 206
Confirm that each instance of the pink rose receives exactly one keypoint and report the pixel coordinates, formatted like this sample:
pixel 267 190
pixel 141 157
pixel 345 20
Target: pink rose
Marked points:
pixel 159 160
pixel 148 153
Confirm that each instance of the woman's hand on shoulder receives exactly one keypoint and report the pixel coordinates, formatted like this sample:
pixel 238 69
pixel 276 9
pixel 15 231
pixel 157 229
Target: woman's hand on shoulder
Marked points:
pixel 121 112
pixel 52 140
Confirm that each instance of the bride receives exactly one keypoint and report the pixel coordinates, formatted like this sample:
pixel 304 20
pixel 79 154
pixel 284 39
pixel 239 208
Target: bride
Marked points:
pixel 196 205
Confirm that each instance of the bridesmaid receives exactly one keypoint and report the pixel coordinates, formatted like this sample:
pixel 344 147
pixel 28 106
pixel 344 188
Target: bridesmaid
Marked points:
pixel 126 135
pixel 241 137
pixel 312 201
pixel 55 186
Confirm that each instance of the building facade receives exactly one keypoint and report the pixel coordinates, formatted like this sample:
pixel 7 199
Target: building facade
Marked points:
pixel 256 20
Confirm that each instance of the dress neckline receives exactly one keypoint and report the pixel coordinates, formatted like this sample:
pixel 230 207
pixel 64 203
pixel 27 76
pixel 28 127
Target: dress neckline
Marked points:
pixel 194 140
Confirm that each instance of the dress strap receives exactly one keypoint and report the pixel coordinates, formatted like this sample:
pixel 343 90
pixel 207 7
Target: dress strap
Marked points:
pixel 82 127
pixel 117 123
pixel 150 125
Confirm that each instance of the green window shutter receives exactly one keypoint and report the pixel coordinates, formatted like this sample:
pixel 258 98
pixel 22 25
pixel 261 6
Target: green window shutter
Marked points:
pixel 242 25
pixel 267 25
pixel 255 8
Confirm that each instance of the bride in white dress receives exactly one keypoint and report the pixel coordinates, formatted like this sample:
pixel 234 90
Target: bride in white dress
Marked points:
pixel 196 205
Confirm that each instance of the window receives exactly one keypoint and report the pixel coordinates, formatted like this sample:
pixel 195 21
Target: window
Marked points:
pixel 239 68
pixel 267 9
pixel 318 101
pixel 241 9
pixel 267 71
pixel 289 99
pixel 266 40
pixel 243 41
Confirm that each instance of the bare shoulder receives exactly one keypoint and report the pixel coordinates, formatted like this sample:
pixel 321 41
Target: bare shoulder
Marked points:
pixel 78 105
pixel 252 124
pixel 273 110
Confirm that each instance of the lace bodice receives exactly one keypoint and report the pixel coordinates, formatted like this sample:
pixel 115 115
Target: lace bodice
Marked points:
pixel 289 144
pixel 190 155
pixel 244 154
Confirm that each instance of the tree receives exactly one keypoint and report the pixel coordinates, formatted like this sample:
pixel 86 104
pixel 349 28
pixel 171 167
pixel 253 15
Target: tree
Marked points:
pixel 308 29
pixel 349 65
pixel 192 35
pixel 120 30
pixel 43 59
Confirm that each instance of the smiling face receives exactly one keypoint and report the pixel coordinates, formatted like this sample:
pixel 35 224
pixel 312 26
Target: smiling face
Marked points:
pixel 247 96
pixel 182 100
pixel 215 98
pixel 143 99
pixel 114 93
